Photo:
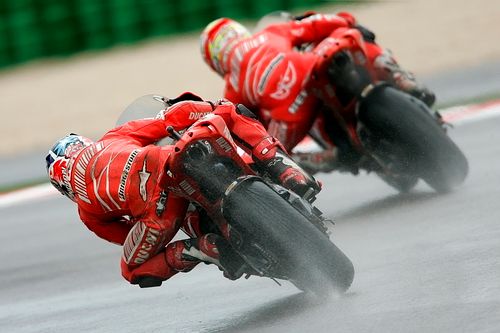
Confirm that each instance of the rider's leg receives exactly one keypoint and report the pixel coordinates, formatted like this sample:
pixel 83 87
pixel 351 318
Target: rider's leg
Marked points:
pixel 210 248
pixel 183 256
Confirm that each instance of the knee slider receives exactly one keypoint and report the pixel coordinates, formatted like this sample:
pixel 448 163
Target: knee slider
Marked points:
pixel 149 274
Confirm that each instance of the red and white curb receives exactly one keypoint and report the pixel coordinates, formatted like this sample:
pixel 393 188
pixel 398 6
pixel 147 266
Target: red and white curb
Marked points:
pixel 31 193
pixel 469 113
pixel 456 115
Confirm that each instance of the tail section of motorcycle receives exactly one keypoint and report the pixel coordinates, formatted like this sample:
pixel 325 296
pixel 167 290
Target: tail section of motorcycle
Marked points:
pixel 342 70
pixel 396 132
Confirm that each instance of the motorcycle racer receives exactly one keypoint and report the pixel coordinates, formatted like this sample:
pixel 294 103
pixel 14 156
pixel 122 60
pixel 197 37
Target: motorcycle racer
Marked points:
pixel 267 73
pixel 120 186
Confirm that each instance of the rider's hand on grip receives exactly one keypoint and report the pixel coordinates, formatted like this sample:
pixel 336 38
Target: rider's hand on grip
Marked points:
pixel 285 171
pixel 300 182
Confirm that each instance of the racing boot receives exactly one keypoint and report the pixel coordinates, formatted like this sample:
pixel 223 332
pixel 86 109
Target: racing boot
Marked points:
pixel 273 162
pixel 211 249
pixel 183 256
pixel 388 69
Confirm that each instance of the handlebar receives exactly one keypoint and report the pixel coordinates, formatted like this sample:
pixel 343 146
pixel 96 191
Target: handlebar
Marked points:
pixel 173 133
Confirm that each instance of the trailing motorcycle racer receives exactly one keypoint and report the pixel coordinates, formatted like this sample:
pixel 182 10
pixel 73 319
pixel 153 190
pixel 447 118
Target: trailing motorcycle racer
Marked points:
pixel 266 72
pixel 120 187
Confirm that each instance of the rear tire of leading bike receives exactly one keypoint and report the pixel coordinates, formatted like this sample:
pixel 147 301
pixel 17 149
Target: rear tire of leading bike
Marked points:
pixel 264 225
pixel 397 117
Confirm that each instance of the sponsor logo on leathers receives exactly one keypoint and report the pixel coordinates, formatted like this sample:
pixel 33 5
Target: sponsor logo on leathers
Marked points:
pixel 286 83
pixel 140 242
pixel 268 71
pixel 197 115
pixel 297 103
pixel 79 180
pixel 144 176
pixel 125 173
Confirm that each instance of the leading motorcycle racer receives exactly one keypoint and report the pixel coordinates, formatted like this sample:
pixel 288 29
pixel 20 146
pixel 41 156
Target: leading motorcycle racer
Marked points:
pixel 119 185
pixel 265 72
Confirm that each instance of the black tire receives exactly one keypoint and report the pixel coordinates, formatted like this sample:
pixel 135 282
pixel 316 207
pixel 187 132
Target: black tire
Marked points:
pixel 263 222
pixel 401 184
pixel 430 154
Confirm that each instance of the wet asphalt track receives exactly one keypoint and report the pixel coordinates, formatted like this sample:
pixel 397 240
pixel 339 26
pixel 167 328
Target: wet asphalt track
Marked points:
pixel 424 263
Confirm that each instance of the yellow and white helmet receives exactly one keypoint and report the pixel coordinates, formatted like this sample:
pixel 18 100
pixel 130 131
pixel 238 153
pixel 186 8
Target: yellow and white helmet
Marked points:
pixel 217 40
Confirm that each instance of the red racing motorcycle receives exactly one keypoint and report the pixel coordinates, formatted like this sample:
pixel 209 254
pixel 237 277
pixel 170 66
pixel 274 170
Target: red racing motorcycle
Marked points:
pixel 383 129
pixel 278 234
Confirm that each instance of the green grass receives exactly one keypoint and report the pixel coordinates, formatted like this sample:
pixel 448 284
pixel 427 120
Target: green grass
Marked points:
pixel 21 185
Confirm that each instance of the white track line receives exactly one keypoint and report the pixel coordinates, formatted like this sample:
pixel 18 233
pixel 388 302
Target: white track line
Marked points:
pixel 469 113
pixel 455 115
pixel 27 194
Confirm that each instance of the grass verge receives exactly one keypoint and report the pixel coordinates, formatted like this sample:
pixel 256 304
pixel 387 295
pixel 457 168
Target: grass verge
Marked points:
pixel 21 185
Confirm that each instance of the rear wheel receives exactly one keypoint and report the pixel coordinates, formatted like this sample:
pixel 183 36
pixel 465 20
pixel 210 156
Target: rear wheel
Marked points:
pixel 402 183
pixel 278 241
pixel 406 123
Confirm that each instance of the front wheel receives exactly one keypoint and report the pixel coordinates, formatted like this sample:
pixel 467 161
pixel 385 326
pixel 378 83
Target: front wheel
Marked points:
pixel 278 241
pixel 406 123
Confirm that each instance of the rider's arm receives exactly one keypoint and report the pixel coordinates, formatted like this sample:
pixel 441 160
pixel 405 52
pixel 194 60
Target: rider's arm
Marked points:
pixel 113 230
pixel 183 114
pixel 142 132
pixel 311 29
pixel 148 131
pixel 368 35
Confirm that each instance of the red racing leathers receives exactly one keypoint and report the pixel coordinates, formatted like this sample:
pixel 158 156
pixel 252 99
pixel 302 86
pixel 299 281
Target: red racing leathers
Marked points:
pixel 269 76
pixel 119 184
